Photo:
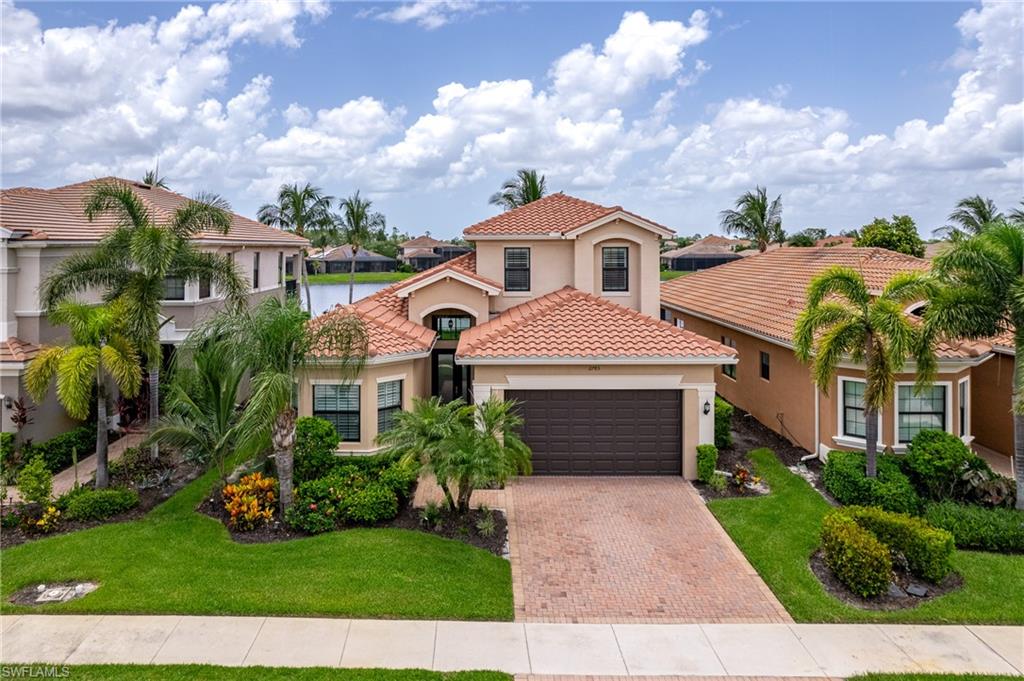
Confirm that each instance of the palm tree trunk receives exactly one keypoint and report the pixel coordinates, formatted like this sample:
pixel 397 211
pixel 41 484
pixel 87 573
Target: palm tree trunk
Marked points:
pixel 870 417
pixel 304 281
pixel 283 442
pixel 352 275
pixel 102 477
pixel 1018 414
pixel 154 402
pixel 447 494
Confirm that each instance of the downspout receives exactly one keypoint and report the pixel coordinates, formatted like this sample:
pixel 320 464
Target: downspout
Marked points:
pixel 817 426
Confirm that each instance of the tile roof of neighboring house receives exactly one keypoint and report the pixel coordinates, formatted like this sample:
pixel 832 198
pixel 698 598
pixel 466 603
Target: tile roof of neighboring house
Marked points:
pixel 554 214
pixel 569 323
pixel 833 241
pixel 423 242
pixel 935 249
pixel 709 245
pixel 389 332
pixel 387 298
pixel 420 253
pixel 16 350
pixel 57 214
pixel 764 295
pixel 1004 342
pixel 344 252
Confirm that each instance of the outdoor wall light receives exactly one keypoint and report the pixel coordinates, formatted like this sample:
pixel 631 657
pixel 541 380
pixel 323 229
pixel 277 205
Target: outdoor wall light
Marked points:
pixel 707 407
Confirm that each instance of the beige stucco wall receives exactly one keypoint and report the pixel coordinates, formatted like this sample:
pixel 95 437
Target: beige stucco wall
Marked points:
pixel 992 392
pixel 551 268
pixel 448 293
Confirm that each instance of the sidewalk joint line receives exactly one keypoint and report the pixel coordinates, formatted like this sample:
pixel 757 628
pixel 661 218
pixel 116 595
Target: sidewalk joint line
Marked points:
pixel 433 653
pixel 721 663
pixel 901 648
pixel 789 627
pixel 167 638
pixel 526 640
pixel 248 650
pixel 1019 670
pixel 344 641
pixel 618 647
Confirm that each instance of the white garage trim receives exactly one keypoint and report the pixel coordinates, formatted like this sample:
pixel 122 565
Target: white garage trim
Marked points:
pixel 597 382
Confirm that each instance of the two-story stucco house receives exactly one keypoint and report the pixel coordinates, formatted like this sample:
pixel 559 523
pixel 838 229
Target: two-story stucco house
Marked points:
pixel 557 309
pixel 39 228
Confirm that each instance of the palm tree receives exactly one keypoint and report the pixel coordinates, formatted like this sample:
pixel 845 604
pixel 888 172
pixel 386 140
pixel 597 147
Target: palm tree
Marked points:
pixel 297 210
pixel 970 217
pixel 755 218
pixel 134 262
pixel 983 295
pixel 276 341
pixel 357 222
pixel 153 179
pixel 202 418
pixel 520 190
pixel 842 320
pixel 321 238
pixel 98 351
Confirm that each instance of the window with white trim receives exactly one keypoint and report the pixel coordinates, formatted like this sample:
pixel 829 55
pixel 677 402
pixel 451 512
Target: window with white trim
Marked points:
pixel 174 288
pixel 965 397
pixel 339 404
pixel 729 369
pixel 917 412
pixel 389 403
pixel 854 423
pixel 615 268
pixel 680 323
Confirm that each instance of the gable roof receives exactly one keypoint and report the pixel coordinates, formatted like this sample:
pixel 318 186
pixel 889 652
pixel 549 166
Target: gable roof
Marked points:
pixel 388 296
pixel 344 252
pixel 570 325
pixel 709 245
pixel 554 215
pixel 423 242
pixel 57 214
pixel 389 333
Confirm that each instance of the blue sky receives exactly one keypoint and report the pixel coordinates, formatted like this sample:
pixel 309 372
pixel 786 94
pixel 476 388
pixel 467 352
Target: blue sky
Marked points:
pixel 811 99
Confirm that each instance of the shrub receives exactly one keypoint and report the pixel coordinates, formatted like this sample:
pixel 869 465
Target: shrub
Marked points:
pixel 400 478
pixel 431 515
pixel 988 488
pixel 371 504
pixel 48 521
pixel 100 503
pixel 857 558
pixel 6 450
pixel 936 461
pixel 718 482
pixel 486 526
pixel 57 451
pixel 250 502
pixel 973 527
pixel 845 479
pixel 928 550
pixel 35 482
pixel 723 423
pixel 707 461
pixel 317 506
pixel 315 443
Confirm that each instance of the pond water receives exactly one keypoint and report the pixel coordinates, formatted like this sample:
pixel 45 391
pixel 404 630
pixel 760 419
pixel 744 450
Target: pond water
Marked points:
pixel 326 296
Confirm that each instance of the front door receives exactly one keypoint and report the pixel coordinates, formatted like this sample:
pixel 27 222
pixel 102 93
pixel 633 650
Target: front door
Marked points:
pixel 450 380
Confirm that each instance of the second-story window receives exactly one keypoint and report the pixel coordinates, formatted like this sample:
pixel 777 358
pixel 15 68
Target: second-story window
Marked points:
pixel 517 269
pixel 255 270
pixel 615 268
pixel 204 287
pixel 174 288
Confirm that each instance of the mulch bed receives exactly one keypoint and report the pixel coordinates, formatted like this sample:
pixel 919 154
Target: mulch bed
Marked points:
pixel 902 578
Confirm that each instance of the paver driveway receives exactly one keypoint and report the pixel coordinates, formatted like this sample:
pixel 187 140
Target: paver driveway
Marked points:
pixel 625 549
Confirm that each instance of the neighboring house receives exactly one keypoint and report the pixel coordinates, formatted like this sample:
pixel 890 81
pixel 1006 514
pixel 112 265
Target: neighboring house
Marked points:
pixel 425 252
pixel 702 254
pixel 339 260
pixel 992 392
pixel 832 241
pixel 935 248
pixel 752 306
pixel 557 309
pixel 41 227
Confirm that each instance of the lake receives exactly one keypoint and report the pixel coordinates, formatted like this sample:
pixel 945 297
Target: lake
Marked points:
pixel 326 296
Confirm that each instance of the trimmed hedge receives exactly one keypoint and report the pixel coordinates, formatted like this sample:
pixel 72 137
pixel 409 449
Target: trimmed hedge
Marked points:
pixel 723 423
pixel 371 504
pixel 977 527
pixel 927 549
pixel 707 462
pixel 857 558
pixel 936 461
pixel 57 451
pixel 101 503
pixel 845 479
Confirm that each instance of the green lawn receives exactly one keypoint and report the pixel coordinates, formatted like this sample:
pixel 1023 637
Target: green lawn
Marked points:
pixel 669 275
pixel 779 532
pixel 178 561
pixel 933 677
pixel 361 277
pixel 198 672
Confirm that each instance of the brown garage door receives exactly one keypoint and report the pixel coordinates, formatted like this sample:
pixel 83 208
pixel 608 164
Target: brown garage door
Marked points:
pixel 602 432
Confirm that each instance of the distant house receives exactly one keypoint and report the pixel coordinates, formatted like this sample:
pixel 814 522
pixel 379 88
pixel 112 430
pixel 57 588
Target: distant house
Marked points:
pixel 934 249
pixel 835 241
pixel 425 252
pixel 705 253
pixel 339 259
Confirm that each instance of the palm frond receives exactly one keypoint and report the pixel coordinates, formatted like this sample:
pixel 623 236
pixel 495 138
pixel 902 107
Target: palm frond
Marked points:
pixel 118 200
pixel 909 287
pixel 813 319
pixel 840 340
pixel 205 212
pixel 40 371
pixel 121 361
pixel 76 375
pixel 841 281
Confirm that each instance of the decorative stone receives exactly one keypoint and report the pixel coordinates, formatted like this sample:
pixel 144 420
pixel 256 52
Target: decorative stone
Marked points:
pixel 895 591
pixel 917 590
pixel 65 592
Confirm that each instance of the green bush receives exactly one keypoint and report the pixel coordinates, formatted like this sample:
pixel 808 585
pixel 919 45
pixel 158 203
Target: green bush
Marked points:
pixel 57 451
pixel 101 503
pixel 707 461
pixel 400 478
pixel 723 423
pixel 927 549
pixel 936 461
pixel 372 504
pixel 315 443
pixel 316 507
pixel 6 448
pixel 975 527
pixel 845 479
pixel 857 558
pixel 35 482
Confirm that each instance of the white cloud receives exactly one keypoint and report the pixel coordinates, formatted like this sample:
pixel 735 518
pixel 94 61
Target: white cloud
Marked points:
pixel 428 14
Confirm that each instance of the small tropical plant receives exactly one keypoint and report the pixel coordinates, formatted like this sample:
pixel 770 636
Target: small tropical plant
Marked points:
pixel 99 351
pixel 250 503
pixel 843 320
pixel 755 218
pixel 526 187
pixel 358 222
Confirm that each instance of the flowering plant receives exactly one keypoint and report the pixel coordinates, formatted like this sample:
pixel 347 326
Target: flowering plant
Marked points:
pixel 250 502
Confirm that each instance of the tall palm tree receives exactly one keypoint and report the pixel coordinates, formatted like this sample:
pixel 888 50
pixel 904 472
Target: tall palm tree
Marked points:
pixel 970 218
pixel 98 351
pixel 277 341
pixel 843 320
pixel 298 209
pixel 358 222
pixel 983 295
pixel 755 218
pixel 136 259
pixel 153 179
pixel 526 187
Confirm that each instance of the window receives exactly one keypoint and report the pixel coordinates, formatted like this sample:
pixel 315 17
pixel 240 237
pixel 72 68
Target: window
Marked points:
pixel 680 323
pixel 174 288
pixel 339 404
pixel 729 369
pixel 915 413
pixel 965 396
pixel 615 268
pixel 766 368
pixel 517 269
pixel 854 424
pixel 255 270
pixel 204 287
pixel 665 315
pixel 389 403
pixel 450 328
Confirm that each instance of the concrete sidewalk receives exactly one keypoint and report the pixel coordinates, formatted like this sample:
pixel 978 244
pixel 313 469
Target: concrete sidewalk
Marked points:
pixel 791 650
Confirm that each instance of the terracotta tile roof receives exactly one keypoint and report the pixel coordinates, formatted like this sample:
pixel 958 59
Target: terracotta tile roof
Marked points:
pixel 16 350
pixel 387 298
pixel 572 324
pixel 834 241
pixel 1004 342
pixel 389 333
pixel 420 253
pixel 554 214
pixel 57 214
pixel 423 242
